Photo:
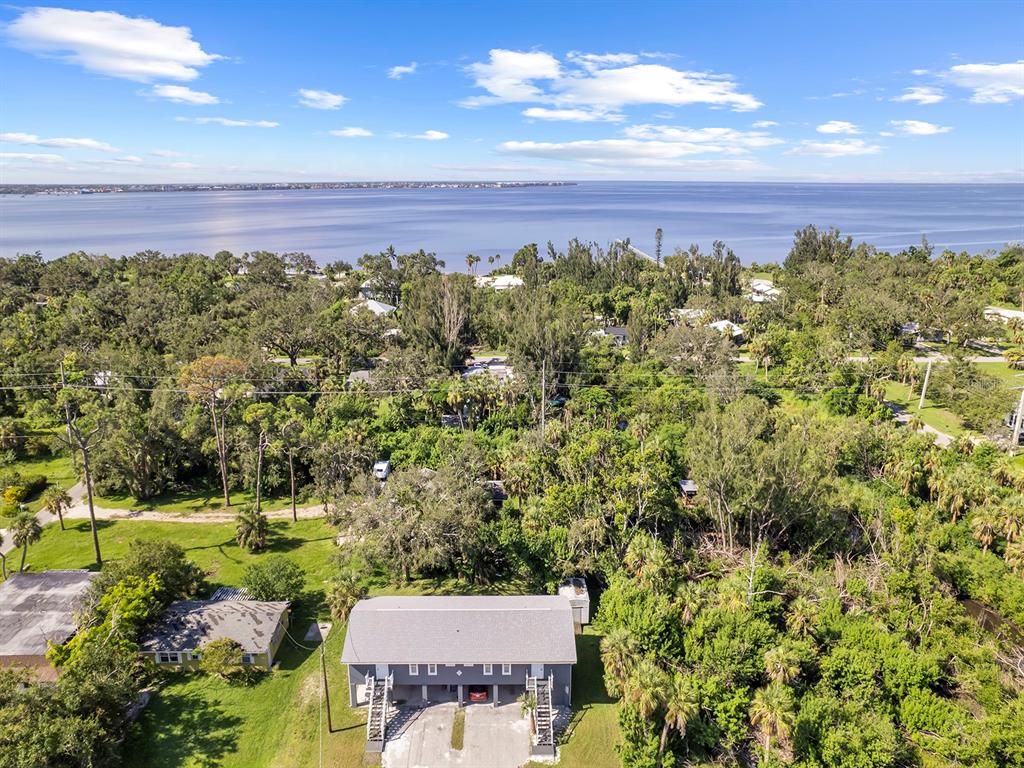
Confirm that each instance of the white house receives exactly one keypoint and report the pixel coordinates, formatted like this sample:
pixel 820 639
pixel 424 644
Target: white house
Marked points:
pixel 379 308
pixel 762 290
pixel 727 328
pixel 1002 315
pixel 499 282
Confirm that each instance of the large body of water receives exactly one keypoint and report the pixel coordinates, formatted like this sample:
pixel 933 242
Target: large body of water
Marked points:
pixel 756 220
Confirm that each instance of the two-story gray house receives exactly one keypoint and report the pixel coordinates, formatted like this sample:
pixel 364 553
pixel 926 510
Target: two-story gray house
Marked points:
pixel 420 650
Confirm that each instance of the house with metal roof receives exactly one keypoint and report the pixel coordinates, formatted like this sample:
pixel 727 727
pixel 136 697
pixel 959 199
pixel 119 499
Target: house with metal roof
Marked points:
pixel 466 649
pixel 177 638
pixel 37 609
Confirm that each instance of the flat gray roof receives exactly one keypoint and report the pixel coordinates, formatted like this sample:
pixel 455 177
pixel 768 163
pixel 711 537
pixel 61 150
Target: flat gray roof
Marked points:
pixel 461 630
pixel 190 624
pixel 40 607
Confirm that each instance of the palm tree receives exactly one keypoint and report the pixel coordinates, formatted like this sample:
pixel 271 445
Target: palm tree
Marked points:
pixel 1010 519
pixel 984 524
pixel 618 655
pixel 25 530
pixel 346 591
pixel 56 501
pixel 3 557
pixel 781 664
pixel 251 530
pixel 645 688
pixel 1014 556
pixel 772 712
pixel 800 619
pixel 681 706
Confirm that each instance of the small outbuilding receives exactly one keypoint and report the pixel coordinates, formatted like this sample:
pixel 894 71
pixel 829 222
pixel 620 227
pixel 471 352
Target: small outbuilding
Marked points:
pixel 382 469
pixel 575 589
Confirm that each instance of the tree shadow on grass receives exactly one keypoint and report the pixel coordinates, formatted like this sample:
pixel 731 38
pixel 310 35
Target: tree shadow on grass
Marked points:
pixel 588 682
pixel 181 728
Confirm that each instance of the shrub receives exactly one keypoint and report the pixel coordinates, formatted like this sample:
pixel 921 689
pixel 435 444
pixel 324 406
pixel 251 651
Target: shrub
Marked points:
pixel 221 658
pixel 274 578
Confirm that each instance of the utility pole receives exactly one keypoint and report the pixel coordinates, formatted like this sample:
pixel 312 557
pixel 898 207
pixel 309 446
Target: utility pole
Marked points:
pixel 924 387
pixel 1017 423
pixel 543 396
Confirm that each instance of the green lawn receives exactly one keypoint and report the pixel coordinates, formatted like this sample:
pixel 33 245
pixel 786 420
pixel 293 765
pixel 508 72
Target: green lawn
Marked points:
pixel 593 735
pixel 205 499
pixel 58 471
pixel 1003 372
pixel 932 414
pixel 310 543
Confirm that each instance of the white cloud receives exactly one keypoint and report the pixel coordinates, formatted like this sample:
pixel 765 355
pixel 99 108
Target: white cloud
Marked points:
pixel 839 148
pixel 166 153
pixel 31 157
pixel 351 133
pixel 726 140
pixel 593 61
pixel 838 126
pixel 31 138
pixel 320 99
pixel 886 133
pixel 922 94
pixel 129 159
pixel 626 153
pixel 228 122
pixel 573 115
pixel 665 147
pixel 183 95
pixel 918 127
pixel 991 83
pixel 429 136
pixel 397 73
pixel 919 71
pixel 111 44
pixel 605 82
pixel 764 124
pixel 182 166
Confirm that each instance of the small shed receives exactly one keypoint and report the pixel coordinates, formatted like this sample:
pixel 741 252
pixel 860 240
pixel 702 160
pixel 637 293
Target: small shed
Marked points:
pixel 381 469
pixel 688 488
pixel 575 588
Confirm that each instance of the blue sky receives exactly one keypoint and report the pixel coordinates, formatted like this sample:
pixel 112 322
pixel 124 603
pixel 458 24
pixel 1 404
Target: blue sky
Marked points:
pixel 233 91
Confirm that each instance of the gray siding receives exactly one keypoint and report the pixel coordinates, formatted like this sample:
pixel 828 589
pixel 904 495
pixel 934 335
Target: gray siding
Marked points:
pixel 471 675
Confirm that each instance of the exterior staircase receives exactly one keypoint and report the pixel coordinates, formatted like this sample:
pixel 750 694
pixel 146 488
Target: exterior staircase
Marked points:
pixel 543 715
pixel 378 693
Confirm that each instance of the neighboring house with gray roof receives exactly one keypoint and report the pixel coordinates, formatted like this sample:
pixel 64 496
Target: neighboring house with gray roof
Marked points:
pixel 37 609
pixel 177 639
pixel 438 648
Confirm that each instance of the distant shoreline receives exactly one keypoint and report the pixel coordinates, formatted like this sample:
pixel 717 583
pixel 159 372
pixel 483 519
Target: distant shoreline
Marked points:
pixel 92 189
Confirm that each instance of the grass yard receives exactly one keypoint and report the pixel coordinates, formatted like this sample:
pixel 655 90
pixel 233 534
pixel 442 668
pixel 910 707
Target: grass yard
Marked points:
pixel 593 736
pixel 310 543
pixel 932 414
pixel 58 471
pixel 206 499
pixel 1002 371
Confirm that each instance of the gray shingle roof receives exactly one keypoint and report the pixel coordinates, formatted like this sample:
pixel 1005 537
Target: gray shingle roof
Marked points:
pixel 190 624
pixel 461 630
pixel 37 607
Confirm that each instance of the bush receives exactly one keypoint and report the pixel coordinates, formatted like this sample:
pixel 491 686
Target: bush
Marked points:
pixel 274 578
pixel 221 658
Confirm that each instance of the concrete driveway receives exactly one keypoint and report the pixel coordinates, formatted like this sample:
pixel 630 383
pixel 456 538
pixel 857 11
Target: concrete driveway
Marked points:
pixel 495 737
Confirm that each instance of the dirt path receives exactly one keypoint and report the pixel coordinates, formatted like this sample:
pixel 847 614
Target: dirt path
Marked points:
pixel 80 509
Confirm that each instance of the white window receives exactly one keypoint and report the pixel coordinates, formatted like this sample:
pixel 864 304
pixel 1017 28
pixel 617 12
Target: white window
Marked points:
pixel 431 669
pixel 168 658
pixel 468 666
pixel 248 658
pixel 506 669
pixel 414 669
pixel 488 669
pixel 449 665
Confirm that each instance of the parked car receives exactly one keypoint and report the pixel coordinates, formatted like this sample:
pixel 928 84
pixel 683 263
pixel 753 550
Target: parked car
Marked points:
pixel 478 693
